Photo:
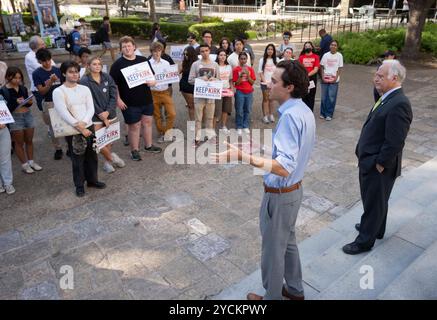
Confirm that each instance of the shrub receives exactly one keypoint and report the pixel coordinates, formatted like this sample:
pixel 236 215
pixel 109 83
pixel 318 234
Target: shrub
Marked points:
pixel 219 30
pixel 360 51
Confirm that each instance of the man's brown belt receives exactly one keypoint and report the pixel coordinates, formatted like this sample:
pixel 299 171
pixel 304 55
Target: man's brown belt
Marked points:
pixel 283 190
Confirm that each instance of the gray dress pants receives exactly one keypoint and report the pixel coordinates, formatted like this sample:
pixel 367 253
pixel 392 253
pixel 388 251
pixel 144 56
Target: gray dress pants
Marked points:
pixel 279 255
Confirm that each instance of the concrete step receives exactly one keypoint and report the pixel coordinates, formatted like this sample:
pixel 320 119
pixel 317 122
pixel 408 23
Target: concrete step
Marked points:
pixel 328 273
pixel 383 264
pixel 418 281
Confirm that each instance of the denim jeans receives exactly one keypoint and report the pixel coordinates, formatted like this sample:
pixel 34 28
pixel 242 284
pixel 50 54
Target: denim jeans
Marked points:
pixel 243 107
pixel 329 99
pixel 5 158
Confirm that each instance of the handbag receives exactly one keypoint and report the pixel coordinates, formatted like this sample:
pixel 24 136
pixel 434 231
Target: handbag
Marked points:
pixel 60 127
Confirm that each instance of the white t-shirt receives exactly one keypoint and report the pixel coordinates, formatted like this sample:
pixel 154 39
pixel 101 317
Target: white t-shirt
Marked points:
pixel 74 104
pixel 284 46
pixel 269 68
pixel 233 60
pixel 154 65
pixel 225 74
pixel 331 63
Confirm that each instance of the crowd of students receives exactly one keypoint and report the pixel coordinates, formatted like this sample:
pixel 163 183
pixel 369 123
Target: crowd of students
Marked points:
pixel 87 98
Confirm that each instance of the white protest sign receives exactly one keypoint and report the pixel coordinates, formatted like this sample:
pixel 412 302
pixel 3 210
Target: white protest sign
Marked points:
pixel 166 74
pixel 208 89
pixel 177 53
pixel 138 74
pixel 107 135
pixel 5 114
pixel 23 46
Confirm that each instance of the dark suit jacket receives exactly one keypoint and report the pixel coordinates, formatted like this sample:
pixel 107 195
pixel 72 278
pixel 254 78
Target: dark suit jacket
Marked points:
pixel 384 132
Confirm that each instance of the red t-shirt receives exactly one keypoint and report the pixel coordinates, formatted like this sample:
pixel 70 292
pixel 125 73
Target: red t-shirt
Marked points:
pixel 244 85
pixel 310 61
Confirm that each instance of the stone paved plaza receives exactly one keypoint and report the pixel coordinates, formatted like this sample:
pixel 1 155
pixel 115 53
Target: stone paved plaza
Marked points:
pixel 163 231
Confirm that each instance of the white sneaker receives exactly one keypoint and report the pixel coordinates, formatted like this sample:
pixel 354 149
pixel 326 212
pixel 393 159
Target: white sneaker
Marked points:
pixel 10 189
pixel 2 189
pixel 168 138
pixel 108 168
pixel 117 160
pixel 239 132
pixel 35 166
pixel 161 139
pixel 266 120
pixel 26 168
pixel 224 129
pixel 272 118
pixel 246 130
pixel 328 118
pixel 321 117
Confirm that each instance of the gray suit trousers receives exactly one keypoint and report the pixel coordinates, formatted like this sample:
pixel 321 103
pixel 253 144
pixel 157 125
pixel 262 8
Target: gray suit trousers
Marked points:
pixel 279 255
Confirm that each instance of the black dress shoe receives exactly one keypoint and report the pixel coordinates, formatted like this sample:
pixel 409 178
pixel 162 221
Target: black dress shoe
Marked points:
pixel 354 248
pixel 357 227
pixel 97 185
pixel 80 191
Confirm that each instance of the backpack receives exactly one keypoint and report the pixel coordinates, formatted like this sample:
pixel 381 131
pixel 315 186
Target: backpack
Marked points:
pixel 98 36
pixel 69 41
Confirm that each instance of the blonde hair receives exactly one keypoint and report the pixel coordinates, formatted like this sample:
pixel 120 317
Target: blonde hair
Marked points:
pixel 90 60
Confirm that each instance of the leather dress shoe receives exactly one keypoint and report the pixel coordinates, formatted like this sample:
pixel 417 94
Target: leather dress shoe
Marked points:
pixel 254 296
pixel 80 191
pixel 357 227
pixel 354 248
pixel 97 185
pixel 290 296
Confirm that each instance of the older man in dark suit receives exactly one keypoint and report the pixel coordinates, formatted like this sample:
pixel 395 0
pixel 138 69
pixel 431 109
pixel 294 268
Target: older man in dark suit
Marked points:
pixel 379 152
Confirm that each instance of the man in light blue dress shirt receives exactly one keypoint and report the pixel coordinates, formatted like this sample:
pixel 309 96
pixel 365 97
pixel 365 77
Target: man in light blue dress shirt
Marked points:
pixel 293 142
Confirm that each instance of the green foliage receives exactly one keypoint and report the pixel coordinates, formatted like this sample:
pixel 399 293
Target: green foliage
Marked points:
pixel 365 47
pixel 219 30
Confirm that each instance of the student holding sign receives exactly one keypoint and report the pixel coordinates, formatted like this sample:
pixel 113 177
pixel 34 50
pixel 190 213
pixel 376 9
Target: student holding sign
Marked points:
pixel 136 102
pixel 206 70
pixel 161 95
pixel 74 104
pixel 22 129
pixel 223 107
pixel 5 161
pixel 104 92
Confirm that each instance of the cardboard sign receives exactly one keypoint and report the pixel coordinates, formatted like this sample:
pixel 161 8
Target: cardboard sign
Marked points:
pixel 166 74
pixel 208 89
pixel 177 53
pixel 23 46
pixel 5 114
pixel 107 135
pixel 138 74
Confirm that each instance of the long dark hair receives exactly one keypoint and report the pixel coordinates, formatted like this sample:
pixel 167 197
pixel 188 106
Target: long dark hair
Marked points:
pixel 266 56
pixel 218 53
pixel 189 59
pixel 228 50
pixel 303 50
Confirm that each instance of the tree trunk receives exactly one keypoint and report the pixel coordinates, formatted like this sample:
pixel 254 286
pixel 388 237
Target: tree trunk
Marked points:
pixel 200 11
pixel 345 5
pixel 14 10
pixel 152 11
pixel 107 8
pixel 58 9
pixel 413 38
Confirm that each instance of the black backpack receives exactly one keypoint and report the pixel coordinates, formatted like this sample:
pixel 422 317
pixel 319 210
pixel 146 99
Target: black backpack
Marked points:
pixel 69 41
pixel 98 36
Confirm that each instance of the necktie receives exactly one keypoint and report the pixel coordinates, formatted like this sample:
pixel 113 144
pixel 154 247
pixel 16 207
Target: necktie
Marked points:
pixel 377 104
